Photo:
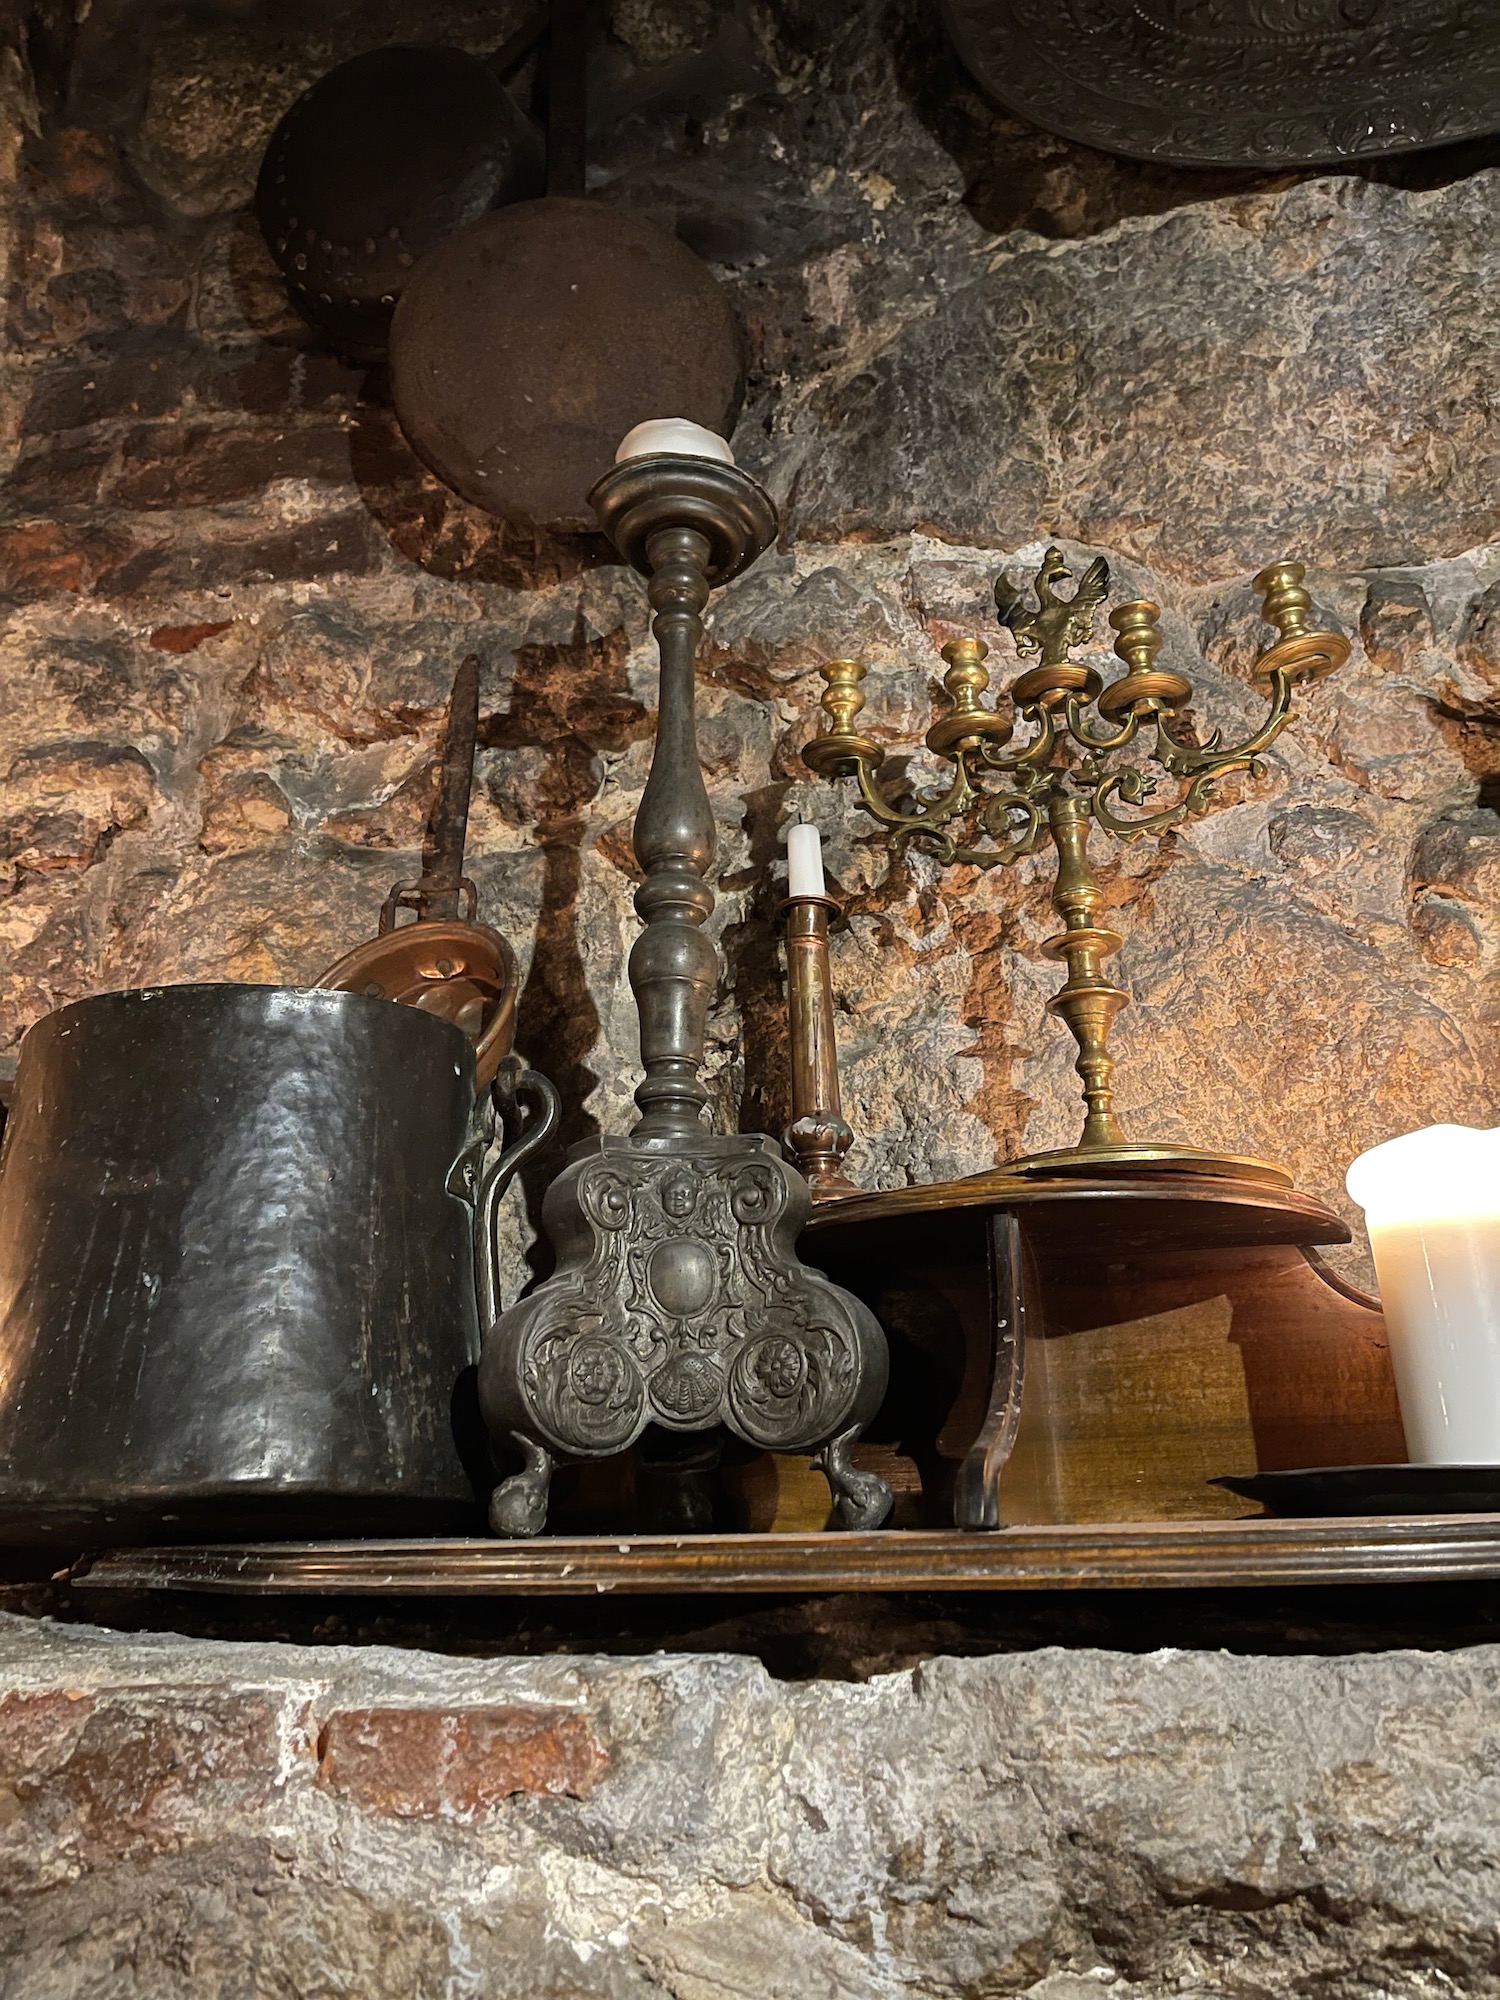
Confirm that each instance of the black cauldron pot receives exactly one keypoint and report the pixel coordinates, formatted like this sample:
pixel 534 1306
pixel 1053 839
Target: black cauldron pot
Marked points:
pixel 237 1286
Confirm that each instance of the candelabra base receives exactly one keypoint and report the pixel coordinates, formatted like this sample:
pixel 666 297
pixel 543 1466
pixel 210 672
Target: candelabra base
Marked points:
pixel 1149 1159
pixel 679 1301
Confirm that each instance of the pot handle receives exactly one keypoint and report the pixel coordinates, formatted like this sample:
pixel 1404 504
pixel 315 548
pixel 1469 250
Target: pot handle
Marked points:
pixel 515 1091
pixel 493 1045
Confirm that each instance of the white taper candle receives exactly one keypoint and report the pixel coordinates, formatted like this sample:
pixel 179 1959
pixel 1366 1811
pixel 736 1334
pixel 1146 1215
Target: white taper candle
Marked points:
pixel 1432 1206
pixel 804 861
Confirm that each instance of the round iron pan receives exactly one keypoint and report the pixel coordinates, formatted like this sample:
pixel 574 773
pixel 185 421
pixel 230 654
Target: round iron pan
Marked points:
pixel 375 165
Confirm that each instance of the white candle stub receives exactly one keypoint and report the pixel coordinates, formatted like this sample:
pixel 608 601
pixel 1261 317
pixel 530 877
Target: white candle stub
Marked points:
pixel 804 861
pixel 676 435
pixel 1432 1206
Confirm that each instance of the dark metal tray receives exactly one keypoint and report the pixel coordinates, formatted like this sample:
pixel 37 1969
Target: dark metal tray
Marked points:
pixel 1364 1490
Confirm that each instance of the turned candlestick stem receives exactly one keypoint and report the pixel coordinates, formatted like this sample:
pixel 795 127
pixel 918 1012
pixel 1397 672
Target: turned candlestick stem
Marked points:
pixel 818 1136
pixel 1088 1002
pixel 673 966
pixel 687 523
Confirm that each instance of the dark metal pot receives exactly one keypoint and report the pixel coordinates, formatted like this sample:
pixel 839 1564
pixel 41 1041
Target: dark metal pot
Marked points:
pixel 529 342
pixel 377 162
pixel 236 1269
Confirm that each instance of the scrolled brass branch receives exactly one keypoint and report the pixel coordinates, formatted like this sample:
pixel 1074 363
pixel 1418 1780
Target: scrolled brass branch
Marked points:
pixel 841 751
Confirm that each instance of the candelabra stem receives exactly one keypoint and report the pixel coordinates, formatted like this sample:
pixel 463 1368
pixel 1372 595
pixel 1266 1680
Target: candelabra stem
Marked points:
pixel 1087 1003
pixel 818 1136
pixel 673 966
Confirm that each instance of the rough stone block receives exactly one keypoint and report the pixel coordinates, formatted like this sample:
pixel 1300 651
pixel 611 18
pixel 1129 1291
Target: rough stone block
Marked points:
pixel 1044 1822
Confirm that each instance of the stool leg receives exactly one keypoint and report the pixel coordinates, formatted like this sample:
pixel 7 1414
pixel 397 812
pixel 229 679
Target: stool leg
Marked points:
pixel 861 1499
pixel 976 1502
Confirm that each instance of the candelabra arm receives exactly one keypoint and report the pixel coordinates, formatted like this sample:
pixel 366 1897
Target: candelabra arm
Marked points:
pixel 1133 788
pixel 995 817
pixel 842 752
pixel 1186 760
pixel 1079 730
pixel 1034 756
pixel 926 825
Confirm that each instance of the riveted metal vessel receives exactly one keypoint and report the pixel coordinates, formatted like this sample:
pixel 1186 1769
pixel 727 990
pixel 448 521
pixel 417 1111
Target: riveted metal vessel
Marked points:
pixel 236 1269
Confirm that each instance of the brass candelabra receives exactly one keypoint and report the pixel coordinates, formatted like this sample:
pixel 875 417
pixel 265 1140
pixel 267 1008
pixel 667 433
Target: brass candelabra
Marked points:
pixel 1004 800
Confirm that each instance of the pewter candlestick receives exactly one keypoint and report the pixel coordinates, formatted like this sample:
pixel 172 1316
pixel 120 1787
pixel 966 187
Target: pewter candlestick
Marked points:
pixel 678 1299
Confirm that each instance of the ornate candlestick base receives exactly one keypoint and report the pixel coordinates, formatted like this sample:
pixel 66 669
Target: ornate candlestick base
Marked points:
pixel 678 1298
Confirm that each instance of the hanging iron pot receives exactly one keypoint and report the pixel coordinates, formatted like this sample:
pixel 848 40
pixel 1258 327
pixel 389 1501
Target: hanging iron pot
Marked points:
pixel 530 341
pixel 379 161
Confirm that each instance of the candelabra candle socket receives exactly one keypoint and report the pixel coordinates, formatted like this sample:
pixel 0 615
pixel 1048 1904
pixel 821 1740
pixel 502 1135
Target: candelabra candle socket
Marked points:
pixel 1301 653
pixel 971 723
pixel 818 1136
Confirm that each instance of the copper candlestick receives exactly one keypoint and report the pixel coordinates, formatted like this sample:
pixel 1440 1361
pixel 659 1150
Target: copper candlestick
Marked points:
pixel 1060 783
pixel 818 1136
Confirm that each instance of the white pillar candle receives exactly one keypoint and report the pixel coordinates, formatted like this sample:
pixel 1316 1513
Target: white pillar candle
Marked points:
pixel 804 861
pixel 1432 1205
pixel 675 435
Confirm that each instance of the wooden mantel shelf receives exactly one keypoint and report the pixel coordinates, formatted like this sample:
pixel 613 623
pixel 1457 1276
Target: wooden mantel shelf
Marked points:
pixel 1127 1556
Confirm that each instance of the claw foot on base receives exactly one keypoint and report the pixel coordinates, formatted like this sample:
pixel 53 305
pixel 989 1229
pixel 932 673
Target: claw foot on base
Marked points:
pixel 860 1499
pixel 518 1505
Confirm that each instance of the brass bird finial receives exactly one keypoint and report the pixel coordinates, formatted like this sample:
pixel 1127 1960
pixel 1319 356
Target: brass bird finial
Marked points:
pixel 1058 622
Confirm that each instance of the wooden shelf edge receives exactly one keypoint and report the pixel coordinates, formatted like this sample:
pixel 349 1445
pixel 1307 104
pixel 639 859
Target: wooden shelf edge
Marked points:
pixel 1253 1553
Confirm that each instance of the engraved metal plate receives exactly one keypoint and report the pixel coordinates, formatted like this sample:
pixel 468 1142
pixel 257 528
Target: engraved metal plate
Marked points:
pixel 1264 83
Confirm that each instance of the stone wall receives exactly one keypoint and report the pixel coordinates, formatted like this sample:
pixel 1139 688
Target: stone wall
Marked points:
pixel 235 601
pixel 188 1818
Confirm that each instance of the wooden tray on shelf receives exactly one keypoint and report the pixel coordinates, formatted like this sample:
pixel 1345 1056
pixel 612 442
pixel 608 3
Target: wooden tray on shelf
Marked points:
pixel 1072 1360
